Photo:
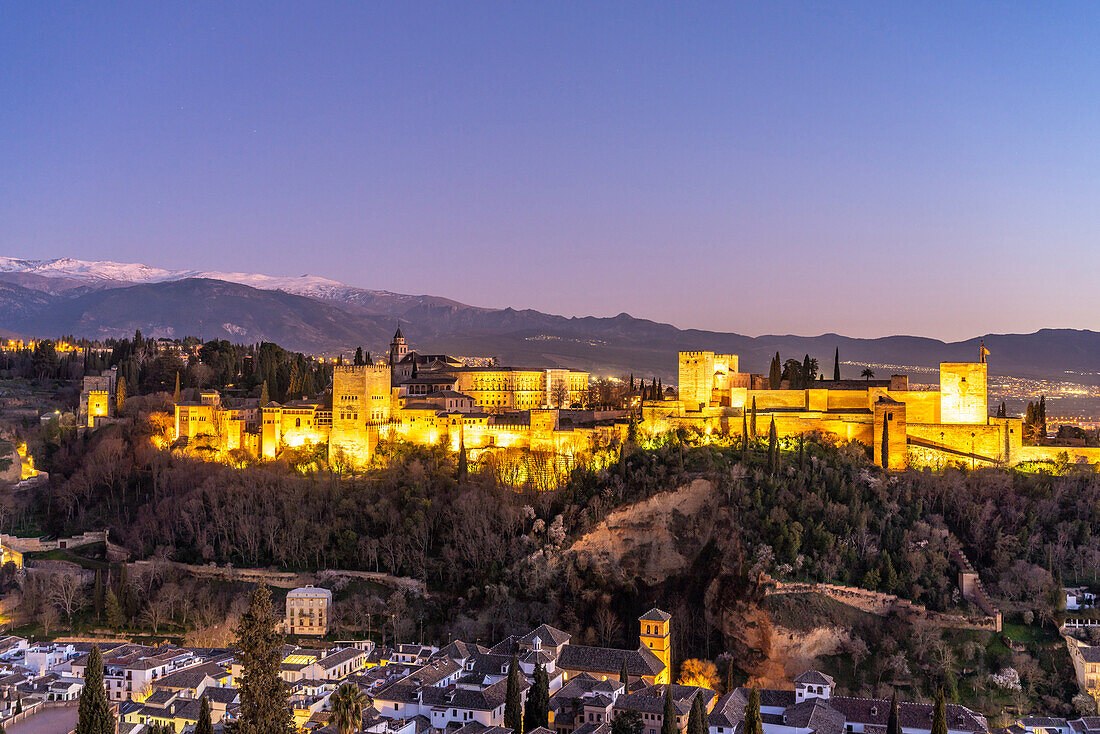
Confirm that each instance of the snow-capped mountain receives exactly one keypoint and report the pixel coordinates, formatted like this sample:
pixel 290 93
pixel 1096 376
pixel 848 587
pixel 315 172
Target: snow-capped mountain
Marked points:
pixel 110 274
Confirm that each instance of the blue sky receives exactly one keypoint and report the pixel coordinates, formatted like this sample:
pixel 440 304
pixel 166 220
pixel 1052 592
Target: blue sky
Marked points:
pixel 868 169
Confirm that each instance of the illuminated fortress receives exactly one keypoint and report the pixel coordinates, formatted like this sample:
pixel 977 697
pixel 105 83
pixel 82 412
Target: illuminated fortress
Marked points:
pixel 436 399
pixel 903 426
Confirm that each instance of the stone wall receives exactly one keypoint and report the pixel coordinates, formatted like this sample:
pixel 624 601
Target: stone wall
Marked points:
pixel 877 603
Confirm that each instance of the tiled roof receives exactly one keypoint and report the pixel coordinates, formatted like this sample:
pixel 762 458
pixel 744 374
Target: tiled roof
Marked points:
pixel 191 677
pixel 815 714
pixel 655 615
pixel 814 678
pixel 550 636
pixel 609 660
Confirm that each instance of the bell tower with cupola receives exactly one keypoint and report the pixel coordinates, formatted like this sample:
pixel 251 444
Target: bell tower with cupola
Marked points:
pixel 655 634
pixel 398 347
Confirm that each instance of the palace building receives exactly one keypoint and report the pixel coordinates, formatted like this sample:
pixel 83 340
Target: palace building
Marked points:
pixel 422 398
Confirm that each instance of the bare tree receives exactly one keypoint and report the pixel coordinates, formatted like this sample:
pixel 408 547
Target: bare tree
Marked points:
pixel 47 617
pixel 607 625
pixel 154 614
pixel 67 592
pixel 559 395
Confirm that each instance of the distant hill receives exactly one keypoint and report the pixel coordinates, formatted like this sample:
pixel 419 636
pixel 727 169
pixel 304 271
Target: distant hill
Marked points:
pixel 105 299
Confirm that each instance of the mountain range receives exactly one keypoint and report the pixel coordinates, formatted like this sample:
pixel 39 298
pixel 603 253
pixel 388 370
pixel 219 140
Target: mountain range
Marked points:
pixel 102 299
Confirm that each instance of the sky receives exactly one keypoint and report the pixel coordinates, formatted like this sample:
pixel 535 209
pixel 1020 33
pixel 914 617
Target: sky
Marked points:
pixel 861 168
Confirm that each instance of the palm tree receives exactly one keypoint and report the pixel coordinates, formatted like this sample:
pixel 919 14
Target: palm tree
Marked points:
pixel 348 703
pixel 868 373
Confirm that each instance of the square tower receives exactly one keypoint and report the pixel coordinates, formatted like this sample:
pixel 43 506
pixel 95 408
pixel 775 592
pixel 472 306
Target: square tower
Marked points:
pixel 963 393
pixel 656 635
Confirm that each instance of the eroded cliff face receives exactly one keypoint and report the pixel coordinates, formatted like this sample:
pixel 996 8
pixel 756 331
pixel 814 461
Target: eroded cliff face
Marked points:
pixel 653 539
pixel 672 538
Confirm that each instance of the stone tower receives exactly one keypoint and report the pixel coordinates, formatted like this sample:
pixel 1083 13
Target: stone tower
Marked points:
pixel 656 635
pixel 398 347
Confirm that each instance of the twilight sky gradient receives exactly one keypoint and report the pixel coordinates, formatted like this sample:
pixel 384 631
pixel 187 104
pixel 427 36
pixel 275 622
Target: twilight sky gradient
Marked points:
pixel 869 169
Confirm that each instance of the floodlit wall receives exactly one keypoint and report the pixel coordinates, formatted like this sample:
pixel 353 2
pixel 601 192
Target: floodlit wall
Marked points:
pixel 963 392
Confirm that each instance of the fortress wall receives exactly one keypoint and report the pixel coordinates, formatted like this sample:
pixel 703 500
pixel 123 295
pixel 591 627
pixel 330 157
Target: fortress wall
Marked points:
pixel 921 406
pixel 1051 453
pixel 767 399
pixel 986 441
pixel 848 400
pixel 696 378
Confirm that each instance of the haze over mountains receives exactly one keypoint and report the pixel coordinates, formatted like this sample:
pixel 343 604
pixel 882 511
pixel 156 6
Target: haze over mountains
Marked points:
pixel 107 299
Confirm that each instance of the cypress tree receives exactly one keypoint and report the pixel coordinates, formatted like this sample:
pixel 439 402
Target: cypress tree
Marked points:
pixel 807 372
pixel 893 724
pixel 99 596
pixel 753 723
pixel 368 359
pixel 265 706
pixel 641 389
pixel 744 434
pixel 939 715
pixel 631 383
pixel 204 725
pixel 668 716
pixel 775 374
pixel 19 705
pixel 94 714
pixel 802 452
pixel 752 421
pixel 120 393
pixel 624 677
pixel 773 448
pixel 463 467
pixel 358 360
pixel 660 390
pixel 729 677
pixel 537 711
pixel 513 701
pixel 176 394
pixel 112 610
pixel 885 444
pixel 1042 416
pixel 265 397
pixel 836 365
pixel 697 719
pixel 126 599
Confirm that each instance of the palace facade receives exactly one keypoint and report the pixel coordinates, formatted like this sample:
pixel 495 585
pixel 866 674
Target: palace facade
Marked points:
pixel 422 398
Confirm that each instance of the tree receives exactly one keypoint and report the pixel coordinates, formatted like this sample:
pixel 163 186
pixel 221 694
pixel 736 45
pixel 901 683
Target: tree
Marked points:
pixel 668 716
pixel 775 373
pixel 752 421
pixel 939 715
pixel 697 719
pixel 348 704
pixel 66 592
pixel 893 724
pixel 47 617
pixel 94 715
pixel 836 365
pixel 886 445
pixel 628 721
pixel 19 705
pixel 204 725
pixel 702 673
pixel 753 723
pixel 358 359
pixel 265 397
pixel 112 610
pixel 867 373
pixel 176 392
pixel 744 434
pixel 463 465
pixel 265 707
pixel 537 711
pixel 773 448
pixel 624 677
pixel 99 596
pixel 120 394
pixel 513 700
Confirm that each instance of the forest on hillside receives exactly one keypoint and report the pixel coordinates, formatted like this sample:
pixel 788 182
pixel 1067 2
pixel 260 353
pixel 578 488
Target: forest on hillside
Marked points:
pixel 491 554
